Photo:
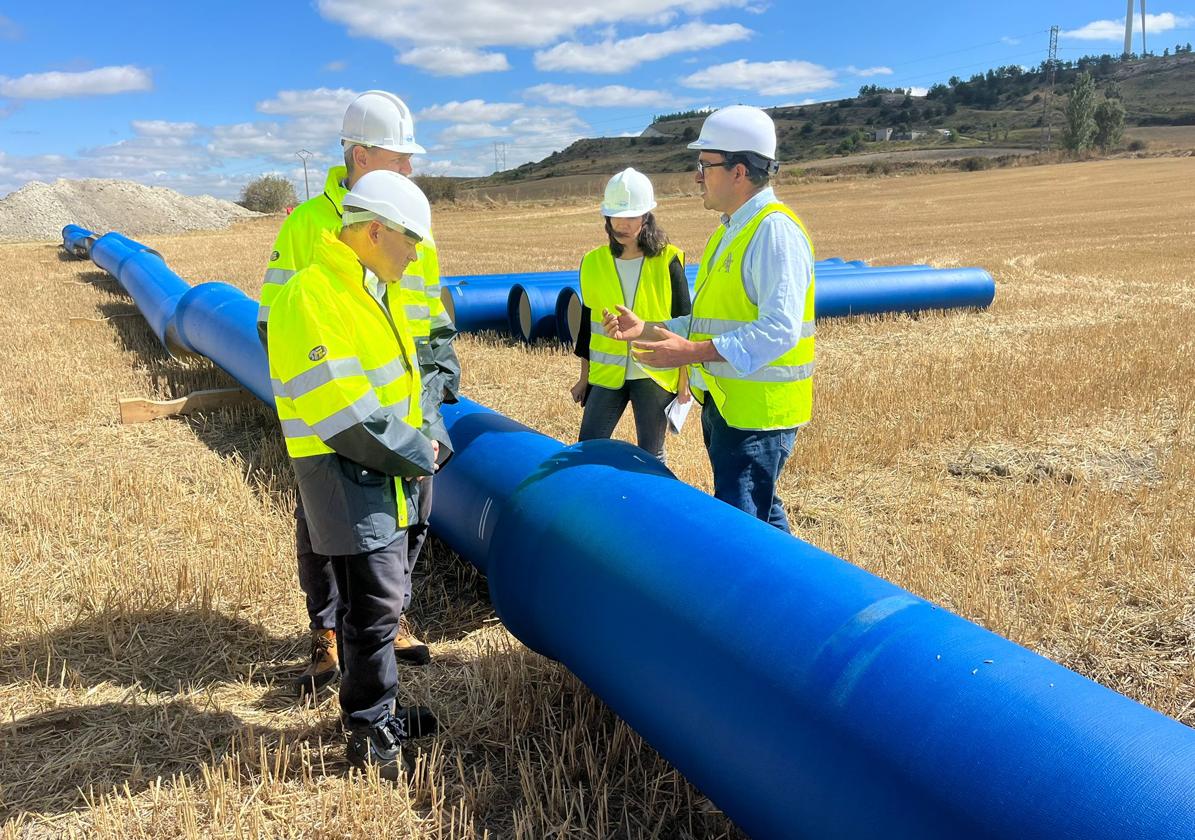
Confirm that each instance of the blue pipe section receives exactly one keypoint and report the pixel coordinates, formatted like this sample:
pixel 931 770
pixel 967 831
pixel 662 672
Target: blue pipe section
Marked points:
pixel 215 320
pixel 843 290
pixel 876 291
pixel 77 241
pixel 803 695
pixel 531 309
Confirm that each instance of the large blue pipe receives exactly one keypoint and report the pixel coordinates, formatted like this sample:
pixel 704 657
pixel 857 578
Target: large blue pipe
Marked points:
pixel 803 695
pixel 531 309
pixel 77 241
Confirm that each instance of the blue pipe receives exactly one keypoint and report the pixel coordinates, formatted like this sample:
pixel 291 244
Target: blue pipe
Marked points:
pixel 803 695
pixel 568 302
pixel 531 309
pixel 77 241
pixel 876 291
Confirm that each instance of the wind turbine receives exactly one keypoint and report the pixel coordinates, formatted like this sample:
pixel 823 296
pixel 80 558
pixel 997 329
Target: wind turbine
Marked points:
pixel 1128 28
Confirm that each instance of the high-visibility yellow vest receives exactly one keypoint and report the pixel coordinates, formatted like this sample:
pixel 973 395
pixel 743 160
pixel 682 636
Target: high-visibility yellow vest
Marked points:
pixel 337 355
pixel 780 394
pixel 294 250
pixel 601 289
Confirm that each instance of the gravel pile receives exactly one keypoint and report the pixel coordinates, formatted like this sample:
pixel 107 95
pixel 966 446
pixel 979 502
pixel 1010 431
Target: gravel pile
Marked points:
pixel 39 211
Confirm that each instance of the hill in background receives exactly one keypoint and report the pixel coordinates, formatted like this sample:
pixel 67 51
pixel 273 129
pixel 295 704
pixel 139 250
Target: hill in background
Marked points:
pixel 1001 108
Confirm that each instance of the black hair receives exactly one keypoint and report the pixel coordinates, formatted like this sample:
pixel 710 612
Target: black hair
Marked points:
pixel 651 239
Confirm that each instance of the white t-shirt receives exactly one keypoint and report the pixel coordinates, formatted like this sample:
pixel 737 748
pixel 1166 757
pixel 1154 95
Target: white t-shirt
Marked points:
pixel 628 277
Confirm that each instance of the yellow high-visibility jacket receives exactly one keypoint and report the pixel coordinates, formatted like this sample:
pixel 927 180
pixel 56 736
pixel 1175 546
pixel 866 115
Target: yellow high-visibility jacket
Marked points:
pixel 780 394
pixel 346 386
pixel 601 289
pixel 294 249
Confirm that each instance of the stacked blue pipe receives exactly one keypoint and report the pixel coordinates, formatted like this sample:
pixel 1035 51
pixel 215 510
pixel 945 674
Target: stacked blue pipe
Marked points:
pixel 803 695
pixel 490 302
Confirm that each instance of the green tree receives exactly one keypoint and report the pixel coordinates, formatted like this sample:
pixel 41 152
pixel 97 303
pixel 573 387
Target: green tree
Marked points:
pixel 1109 123
pixel 268 194
pixel 1080 114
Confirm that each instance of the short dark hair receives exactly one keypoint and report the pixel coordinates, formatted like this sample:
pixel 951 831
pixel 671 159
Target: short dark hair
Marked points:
pixel 651 239
pixel 758 167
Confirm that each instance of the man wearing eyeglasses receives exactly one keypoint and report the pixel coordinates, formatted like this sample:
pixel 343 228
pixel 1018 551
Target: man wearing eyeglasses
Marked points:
pixel 346 380
pixel 750 337
pixel 377 134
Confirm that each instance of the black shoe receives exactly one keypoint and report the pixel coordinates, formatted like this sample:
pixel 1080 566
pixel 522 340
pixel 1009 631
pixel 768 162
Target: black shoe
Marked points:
pixel 418 721
pixel 380 745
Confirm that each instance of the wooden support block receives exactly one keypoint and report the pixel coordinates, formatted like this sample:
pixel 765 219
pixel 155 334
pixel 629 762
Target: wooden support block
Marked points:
pixel 140 411
pixel 104 320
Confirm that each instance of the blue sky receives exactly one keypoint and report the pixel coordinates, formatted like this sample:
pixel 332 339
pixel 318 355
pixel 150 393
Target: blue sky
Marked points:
pixel 203 97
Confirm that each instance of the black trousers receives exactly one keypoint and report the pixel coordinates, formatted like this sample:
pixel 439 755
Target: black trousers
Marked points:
pixel 315 570
pixel 373 588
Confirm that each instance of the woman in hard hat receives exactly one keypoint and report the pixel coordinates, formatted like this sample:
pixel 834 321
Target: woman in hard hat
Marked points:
pixel 639 269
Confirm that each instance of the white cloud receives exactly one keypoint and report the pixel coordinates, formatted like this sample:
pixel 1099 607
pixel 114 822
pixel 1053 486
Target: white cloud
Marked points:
pixel 320 102
pixel 917 91
pixel 471 110
pixel 485 23
pixel 609 96
pixel 869 71
pixel 336 66
pixel 471 131
pixel 163 128
pixel 451 167
pixel 274 140
pixel 57 85
pixel 612 56
pixel 1113 30
pixel 770 78
pixel 453 61
pixel 1012 42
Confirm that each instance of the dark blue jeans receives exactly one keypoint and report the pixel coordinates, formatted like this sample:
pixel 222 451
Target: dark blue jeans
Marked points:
pixel 604 408
pixel 373 587
pixel 315 570
pixel 746 465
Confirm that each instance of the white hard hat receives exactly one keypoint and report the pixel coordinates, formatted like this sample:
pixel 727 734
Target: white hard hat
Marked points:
pixel 379 118
pixel 628 194
pixel 738 128
pixel 390 198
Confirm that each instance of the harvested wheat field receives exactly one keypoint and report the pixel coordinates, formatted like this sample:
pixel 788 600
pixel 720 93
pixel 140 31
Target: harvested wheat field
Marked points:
pixel 1031 467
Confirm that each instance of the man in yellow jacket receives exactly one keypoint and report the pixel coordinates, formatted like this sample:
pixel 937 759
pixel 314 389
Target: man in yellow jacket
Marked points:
pixel 346 383
pixel 378 133
pixel 750 338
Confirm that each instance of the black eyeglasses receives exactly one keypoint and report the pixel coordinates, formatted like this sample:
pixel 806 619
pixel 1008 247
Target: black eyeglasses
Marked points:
pixel 703 165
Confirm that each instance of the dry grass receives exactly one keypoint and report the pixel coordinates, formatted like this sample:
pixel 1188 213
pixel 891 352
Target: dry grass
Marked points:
pixel 1030 467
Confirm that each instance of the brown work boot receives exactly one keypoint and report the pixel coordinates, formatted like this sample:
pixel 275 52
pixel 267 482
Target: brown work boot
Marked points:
pixel 408 649
pixel 325 664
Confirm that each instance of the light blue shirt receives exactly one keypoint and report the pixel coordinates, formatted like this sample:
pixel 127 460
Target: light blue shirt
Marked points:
pixel 777 270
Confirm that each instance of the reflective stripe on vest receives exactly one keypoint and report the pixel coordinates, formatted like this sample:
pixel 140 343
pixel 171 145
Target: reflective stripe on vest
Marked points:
pixel 327 379
pixel 780 394
pixel 601 289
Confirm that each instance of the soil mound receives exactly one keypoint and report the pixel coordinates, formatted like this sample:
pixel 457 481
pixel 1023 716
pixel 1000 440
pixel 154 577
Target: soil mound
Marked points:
pixel 39 210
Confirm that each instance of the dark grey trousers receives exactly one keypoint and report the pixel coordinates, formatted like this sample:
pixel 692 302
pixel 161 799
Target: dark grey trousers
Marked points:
pixel 604 408
pixel 315 570
pixel 373 587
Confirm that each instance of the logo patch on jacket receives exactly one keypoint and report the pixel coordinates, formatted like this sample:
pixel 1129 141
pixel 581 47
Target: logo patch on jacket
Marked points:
pixel 317 353
pixel 728 262
pixel 274 256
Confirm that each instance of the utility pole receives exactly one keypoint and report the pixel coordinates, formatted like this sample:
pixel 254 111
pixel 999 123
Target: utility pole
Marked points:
pixel 304 156
pixel 1047 130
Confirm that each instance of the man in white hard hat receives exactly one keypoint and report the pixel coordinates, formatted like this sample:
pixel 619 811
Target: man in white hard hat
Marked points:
pixel 750 337
pixel 378 134
pixel 346 382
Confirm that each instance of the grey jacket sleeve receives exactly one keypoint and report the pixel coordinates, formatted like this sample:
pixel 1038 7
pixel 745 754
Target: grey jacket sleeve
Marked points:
pixel 448 366
pixel 385 443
